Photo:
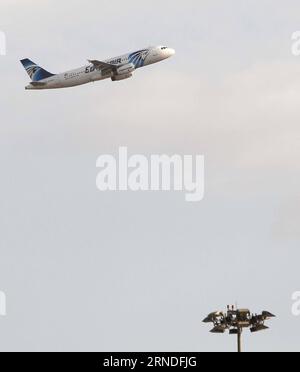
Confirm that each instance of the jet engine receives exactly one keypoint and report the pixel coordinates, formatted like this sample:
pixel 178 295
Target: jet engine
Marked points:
pixel 123 72
pixel 126 69
pixel 121 77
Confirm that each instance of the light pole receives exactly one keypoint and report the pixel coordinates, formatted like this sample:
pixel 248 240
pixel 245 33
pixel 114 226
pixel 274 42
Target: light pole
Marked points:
pixel 236 320
pixel 239 340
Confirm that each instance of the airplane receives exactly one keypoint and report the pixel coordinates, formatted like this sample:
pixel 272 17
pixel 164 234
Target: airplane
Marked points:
pixel 116 69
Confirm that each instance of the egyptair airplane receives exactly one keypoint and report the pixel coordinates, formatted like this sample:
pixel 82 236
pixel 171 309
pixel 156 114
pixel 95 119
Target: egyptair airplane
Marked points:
pixel 116 69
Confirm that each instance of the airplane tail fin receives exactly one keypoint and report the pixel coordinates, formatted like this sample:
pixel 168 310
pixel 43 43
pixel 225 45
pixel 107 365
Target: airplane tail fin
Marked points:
pixel 35 72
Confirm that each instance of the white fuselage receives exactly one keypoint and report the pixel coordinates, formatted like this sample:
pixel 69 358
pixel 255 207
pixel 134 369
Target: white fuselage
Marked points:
pixel 125 65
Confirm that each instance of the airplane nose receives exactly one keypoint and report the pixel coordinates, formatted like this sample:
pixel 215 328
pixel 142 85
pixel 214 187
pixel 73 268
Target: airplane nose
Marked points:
pixel 172 52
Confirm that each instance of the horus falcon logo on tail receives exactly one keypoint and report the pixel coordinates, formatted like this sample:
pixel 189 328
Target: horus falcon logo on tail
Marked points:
pixel 35 72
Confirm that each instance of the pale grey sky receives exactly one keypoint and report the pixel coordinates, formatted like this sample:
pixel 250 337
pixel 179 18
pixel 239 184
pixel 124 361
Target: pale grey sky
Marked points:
pixel 85 271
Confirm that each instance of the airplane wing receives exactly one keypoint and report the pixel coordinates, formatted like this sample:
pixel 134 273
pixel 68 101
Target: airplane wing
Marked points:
pixel 104 67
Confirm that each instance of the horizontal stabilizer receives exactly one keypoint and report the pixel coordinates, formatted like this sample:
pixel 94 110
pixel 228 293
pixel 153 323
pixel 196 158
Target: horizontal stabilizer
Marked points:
pixel 37 84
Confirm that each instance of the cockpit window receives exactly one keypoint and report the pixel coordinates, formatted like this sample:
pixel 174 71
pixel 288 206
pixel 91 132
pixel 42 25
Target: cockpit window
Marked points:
pixel 164 48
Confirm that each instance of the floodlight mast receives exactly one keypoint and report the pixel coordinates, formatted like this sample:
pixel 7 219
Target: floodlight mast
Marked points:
pixel 235 320
pixel 239 340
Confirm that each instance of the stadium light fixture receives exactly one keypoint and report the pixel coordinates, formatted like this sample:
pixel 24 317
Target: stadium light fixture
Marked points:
pixel 236 320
